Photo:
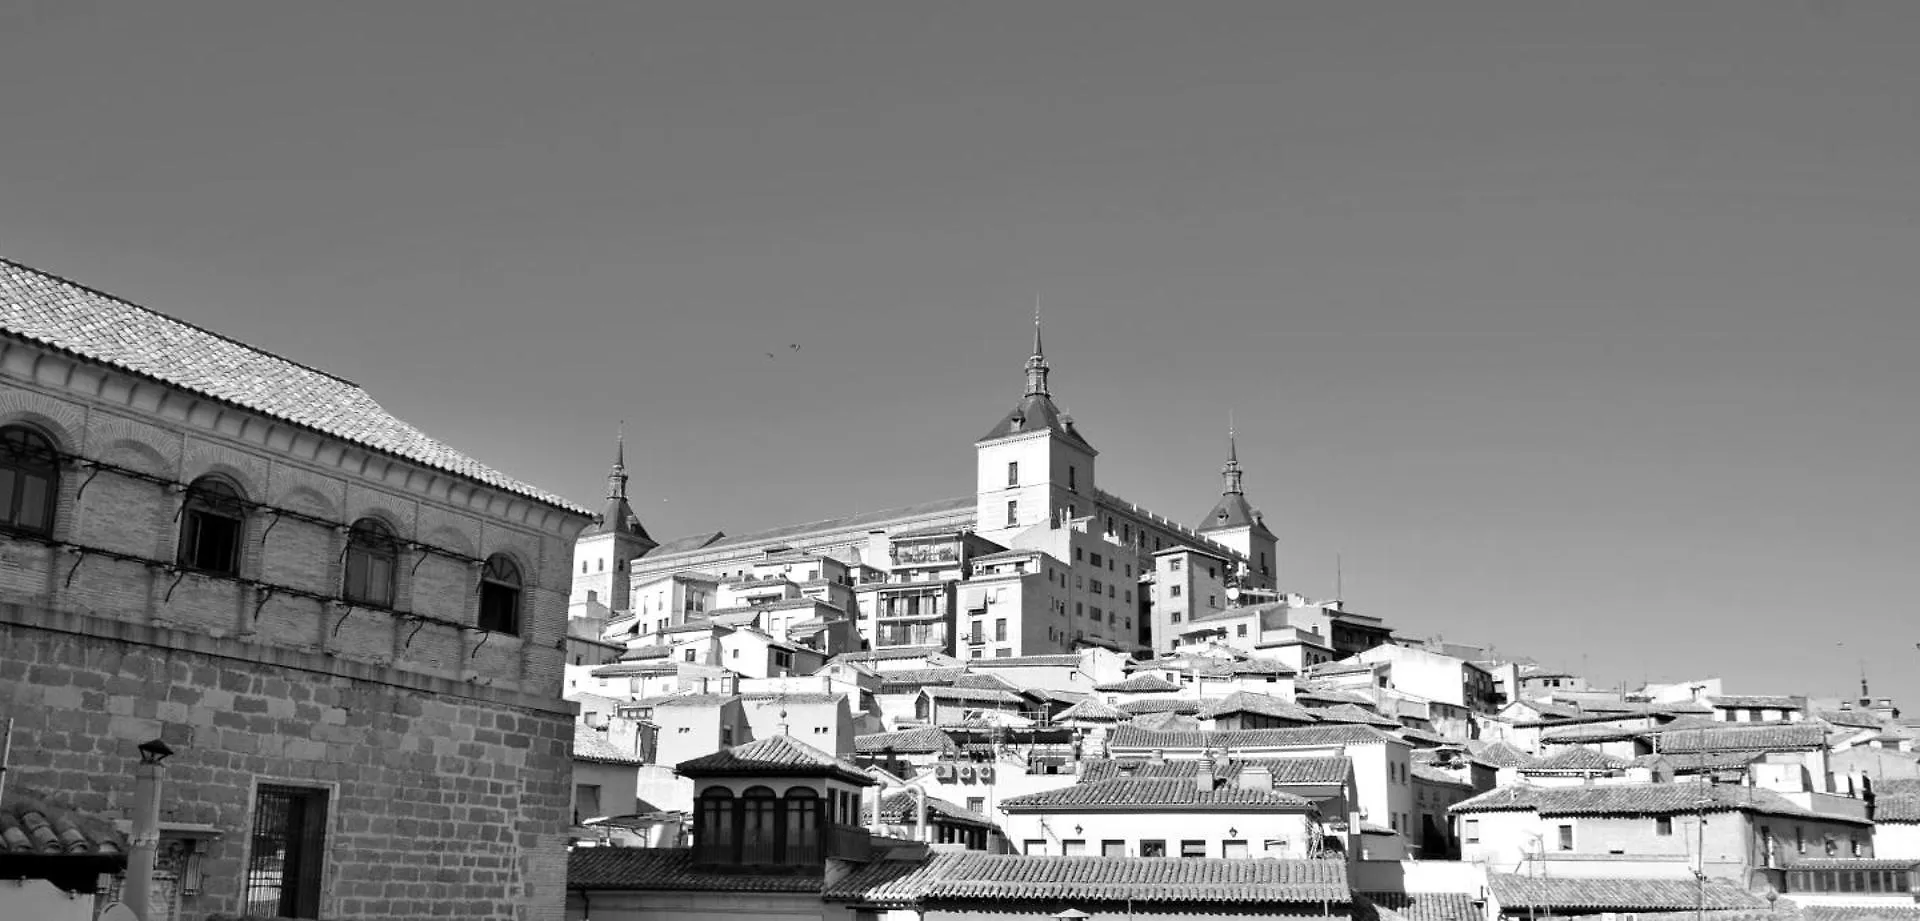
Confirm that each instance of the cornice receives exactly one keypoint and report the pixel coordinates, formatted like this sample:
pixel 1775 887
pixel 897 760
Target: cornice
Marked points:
pixel 91 382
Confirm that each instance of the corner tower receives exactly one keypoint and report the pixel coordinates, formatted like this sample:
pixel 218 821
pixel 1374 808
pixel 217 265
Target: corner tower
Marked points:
pixel 605 548
pixel 1033 466
pixel 1234 523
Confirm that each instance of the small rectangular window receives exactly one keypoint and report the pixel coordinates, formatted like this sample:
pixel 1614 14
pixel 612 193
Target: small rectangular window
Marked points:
pixel 1073 847
pixel 1113 848
pixel 1173 591
pixel 1192 848
pixel 1472 831
pixel 977 804
pixel 1000 629
pixel 1153 848
pixel 1173 563
pixel 1013 513
pixel 1233 850
pixel 1566 837
pixel 1663 826
pixel 1034 847
pixel 1013 473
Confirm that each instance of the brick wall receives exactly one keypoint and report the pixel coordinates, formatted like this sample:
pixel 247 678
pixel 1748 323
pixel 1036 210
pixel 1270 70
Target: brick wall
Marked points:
pixel 443 802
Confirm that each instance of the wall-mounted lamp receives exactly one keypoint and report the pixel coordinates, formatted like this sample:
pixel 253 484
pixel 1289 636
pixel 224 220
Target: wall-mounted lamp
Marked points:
pixel 1233 832
pixel 154 751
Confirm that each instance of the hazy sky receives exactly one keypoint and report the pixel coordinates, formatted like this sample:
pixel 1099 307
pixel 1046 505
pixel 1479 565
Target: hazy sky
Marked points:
pixel 1587 329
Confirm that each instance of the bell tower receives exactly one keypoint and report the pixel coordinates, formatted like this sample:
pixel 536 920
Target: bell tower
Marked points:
pixel 605 548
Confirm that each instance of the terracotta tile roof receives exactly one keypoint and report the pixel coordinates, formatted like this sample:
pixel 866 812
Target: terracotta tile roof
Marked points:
pixel 1181 705
pixel 898 809
pixel 889 653
pixel 1349 713
pixel 1897 808
pixel 1317 771
pixel 655 869
pixel 101 328
pixel 777 756
pixel 1853 912
pixel 32 825
pixel 986 694
pixel 1027 661
pixel 794 697
pixel 692 626
pixel 1577 759
pixel 695 700
pixel 906 741
pixel 630 669
pixel 913 679
pixel 589 745
pixel 1518 893
pixel 1165 721
pixel 1500 754
pixel 1330 669
pixel 1419 906
pixel 1091 709
pixel 973 877
pixel 1694 763
pixel 1852 718
pixel 1237 739
pixel 1138 684
pixel 1586 732
pixel 1773 737
pixel 1141 794
pixel 1259 704
pixel 1332 695
pixel 643 653
pixel 984 682
pixel 1640 800
pixel 1757 701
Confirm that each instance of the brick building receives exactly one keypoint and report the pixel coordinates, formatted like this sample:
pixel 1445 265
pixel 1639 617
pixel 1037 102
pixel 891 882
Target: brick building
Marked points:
pixel 351 635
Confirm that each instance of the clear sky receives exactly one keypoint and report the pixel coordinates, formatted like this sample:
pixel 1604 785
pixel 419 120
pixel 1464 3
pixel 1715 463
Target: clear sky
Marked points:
pixel 1587 329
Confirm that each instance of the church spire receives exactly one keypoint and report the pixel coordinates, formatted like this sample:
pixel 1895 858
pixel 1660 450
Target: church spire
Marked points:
pixel 1231 472
pixel 617 476
pixel 1037 364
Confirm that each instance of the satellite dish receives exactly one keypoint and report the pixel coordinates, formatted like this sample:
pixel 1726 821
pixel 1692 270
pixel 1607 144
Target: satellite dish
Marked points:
pixel 118 911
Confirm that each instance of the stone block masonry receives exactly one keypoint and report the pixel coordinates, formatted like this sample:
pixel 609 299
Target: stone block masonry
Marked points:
pixel 445 798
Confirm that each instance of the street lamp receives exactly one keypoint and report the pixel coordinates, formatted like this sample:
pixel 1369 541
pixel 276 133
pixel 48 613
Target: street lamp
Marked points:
pixel 145 844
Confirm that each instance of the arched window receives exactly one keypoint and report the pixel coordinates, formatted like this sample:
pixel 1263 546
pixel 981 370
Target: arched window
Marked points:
pixel 714 836
pixel 500 595
pixel 211 527
pixel 29 480
pixel 760 827
pixel 372 558
pixel 803 827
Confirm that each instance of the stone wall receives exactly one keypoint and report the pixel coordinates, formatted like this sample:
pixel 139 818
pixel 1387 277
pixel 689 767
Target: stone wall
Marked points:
pixel 445 799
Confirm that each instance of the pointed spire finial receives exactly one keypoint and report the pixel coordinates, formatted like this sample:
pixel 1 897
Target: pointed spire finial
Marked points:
pixel 1037 364
pixel 617 476
pixel 1037 350
pixel 1231 472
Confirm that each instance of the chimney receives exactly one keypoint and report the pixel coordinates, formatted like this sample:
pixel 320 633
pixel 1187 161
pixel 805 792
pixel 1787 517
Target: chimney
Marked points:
pixel 1159 756
pixel 1203 779
pixel 1256 777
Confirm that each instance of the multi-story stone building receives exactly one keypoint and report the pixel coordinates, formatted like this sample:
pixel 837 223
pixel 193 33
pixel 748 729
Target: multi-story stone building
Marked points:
pixel 1038 545
pixel 350 635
